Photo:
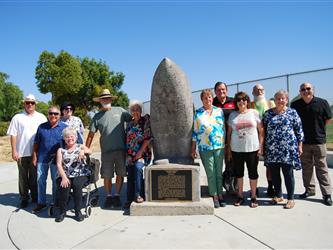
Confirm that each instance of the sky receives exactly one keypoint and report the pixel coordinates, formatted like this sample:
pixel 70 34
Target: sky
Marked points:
pixel 230 41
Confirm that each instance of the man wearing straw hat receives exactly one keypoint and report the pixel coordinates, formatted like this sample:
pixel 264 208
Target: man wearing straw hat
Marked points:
pixel 22 131
pixel 110 121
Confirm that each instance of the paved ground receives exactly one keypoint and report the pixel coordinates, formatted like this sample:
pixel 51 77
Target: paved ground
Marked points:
pixel 308 226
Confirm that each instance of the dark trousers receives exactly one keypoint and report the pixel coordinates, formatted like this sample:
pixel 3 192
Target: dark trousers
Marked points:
pixel 289 180
pixel 27 178
pixel 251 159
pixel 135 185
pixel 76 184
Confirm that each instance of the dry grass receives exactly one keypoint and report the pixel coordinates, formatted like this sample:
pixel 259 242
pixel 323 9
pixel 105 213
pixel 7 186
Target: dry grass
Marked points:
pixel 5 149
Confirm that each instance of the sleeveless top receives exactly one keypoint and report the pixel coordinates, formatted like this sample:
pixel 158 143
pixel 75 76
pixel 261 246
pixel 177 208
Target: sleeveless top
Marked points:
pixel 73 167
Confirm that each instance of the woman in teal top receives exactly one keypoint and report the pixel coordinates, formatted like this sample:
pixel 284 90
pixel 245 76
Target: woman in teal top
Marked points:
pixel 208 134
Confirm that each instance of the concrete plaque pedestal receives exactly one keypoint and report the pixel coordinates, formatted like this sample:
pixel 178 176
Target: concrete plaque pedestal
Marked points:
pixel 172 189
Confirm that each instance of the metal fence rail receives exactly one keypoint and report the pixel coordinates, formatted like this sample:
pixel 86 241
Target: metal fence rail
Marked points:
pixel 322 80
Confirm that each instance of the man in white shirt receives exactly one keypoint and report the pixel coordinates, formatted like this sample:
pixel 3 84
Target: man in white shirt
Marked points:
pixel 22 131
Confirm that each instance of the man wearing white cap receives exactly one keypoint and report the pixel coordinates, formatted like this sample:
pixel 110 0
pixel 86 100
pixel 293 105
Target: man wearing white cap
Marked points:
pixel 110 121
pixel 22 131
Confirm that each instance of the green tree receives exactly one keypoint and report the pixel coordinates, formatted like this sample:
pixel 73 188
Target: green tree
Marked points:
pixel 77 80
pixel 11 97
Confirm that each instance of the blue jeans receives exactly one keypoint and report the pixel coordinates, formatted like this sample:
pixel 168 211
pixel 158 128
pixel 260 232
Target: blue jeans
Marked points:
pixel 42 172
pixel 135 181
pixel 289 179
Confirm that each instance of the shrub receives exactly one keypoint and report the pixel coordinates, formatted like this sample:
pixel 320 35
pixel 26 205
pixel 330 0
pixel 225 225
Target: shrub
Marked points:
pixel 3 128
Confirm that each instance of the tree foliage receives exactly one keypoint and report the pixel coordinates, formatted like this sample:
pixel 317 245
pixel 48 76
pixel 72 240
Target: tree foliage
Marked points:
pixel 11 97
pixel 77 80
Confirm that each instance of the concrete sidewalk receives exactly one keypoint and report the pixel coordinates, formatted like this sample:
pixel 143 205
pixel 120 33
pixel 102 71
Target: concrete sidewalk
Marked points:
pixel 308 226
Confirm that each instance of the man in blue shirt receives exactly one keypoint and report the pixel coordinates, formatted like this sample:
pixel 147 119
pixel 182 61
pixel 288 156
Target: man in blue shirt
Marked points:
pixel 47 141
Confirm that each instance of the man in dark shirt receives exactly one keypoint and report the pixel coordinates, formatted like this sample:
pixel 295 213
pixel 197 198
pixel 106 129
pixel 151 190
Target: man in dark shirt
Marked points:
pixel 315 114
pixel 226 103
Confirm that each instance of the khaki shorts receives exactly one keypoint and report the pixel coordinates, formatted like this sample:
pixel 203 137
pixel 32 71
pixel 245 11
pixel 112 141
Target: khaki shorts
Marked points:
pixel 113 162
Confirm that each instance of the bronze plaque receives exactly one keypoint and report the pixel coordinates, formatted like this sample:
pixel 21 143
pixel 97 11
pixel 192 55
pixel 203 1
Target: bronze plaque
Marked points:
pixel 171 185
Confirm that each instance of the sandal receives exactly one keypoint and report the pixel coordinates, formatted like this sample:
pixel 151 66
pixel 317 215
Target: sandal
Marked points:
pixel 239 201
pixel 139 199
pixel 277 200
pixel 290 204
pixel 254 203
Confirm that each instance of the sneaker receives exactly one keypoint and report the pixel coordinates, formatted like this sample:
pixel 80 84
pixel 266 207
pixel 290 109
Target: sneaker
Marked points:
pixel 327 200
pixel 108 202
pixel 216 203
pixel 79 216
pixel 23 204
pixel 222 202
pixel 116 201
pixel 38 208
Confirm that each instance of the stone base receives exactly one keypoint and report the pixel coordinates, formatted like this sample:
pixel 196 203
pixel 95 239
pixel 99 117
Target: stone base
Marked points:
pixel 203 207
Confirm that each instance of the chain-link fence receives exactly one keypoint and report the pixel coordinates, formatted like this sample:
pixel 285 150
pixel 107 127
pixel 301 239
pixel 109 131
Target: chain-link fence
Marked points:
pixel 321 79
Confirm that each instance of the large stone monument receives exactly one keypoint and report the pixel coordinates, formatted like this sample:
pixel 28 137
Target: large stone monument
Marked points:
pixel 172 183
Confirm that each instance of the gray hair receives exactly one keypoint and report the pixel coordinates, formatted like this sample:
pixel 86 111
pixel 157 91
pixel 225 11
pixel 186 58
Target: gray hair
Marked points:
pixel 69 131
pixel 281 92
pixel 134 103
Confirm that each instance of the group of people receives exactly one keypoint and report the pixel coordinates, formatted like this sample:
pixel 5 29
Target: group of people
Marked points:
pixel 55 144
pixel 226 130
pixel 238 131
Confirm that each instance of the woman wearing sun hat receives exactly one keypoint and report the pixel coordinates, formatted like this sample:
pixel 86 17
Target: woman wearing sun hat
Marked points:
pixel 110 122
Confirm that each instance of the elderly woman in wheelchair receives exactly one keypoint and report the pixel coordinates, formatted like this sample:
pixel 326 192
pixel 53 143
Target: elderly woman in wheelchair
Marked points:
pixel 73 173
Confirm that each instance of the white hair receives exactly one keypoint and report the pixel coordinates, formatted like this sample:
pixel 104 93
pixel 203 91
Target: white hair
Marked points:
pixel 135 103
pixel 69 131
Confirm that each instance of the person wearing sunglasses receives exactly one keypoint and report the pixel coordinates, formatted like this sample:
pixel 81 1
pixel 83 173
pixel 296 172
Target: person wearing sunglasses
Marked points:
pixel 67 116
pixel 245 137
pixel 47 141
pixel 22 130
pixel 315 114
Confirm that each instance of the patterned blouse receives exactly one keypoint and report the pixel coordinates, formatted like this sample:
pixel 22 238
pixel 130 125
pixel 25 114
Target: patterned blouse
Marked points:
pixel 71 164
pixel 136 134
pixel 283 132
pixel 208 129
pixel 76 123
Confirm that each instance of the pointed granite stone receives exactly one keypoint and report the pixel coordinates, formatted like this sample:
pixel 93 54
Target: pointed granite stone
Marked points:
pixel 171 111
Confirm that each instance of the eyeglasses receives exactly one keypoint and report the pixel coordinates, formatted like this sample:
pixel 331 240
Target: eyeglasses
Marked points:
pixel 68 108
pixel 241 99
pixel 305 89
pixel 30 103
pixel 260 89
pixel 53 113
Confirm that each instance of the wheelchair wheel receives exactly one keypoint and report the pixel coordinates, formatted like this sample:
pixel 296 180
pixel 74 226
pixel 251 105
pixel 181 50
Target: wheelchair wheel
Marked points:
pixel 93 201
pixel 50 211
pixel 88 211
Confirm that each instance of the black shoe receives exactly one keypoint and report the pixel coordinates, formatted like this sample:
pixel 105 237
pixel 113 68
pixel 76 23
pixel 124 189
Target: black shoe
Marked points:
pixel 327 200
pixel 306 194
pixel 216 204
pixel 38 208
pixel 60 217
pixel 108 202
pixel 116 201
pixel 23 204
pixel 79 216
pixel 223 203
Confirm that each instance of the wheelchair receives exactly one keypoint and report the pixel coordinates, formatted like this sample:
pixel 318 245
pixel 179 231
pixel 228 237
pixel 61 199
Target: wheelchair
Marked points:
pixel 89 191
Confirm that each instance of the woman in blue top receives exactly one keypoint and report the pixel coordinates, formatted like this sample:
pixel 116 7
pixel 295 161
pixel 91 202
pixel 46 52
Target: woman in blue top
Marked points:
pixel 283 145
pixel 208 133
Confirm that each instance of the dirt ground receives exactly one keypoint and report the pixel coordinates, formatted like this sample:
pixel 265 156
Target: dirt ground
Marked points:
pixel 6 154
